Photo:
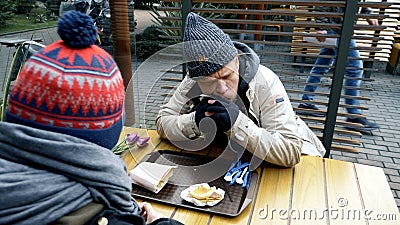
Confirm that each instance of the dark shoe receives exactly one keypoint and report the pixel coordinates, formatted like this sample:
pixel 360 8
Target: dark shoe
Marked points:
pixel 368 125
pixel 309 106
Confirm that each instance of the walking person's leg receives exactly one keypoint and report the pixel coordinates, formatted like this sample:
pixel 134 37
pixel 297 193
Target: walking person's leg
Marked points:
pixel 353 75
pixel 321 66
pixel 353 80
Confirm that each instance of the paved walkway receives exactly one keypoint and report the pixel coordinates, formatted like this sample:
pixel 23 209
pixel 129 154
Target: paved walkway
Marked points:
pixel 380 148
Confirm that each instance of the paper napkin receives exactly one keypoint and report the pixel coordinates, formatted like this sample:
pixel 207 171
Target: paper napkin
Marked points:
pixel 152 176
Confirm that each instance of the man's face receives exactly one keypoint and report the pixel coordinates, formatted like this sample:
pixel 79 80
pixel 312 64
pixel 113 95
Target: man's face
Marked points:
pixel 223 83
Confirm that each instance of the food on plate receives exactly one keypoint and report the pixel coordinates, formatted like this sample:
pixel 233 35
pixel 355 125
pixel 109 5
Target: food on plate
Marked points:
pixel 202 194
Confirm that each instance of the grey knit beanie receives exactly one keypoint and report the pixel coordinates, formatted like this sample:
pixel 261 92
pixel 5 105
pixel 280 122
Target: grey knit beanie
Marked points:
pixel 206 47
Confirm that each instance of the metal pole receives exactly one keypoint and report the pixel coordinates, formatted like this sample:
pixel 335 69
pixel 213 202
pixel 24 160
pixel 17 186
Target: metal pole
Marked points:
pixel 349 16
pixel 186 9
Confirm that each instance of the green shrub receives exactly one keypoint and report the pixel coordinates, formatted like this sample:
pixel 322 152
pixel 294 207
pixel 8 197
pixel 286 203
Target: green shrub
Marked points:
pixel 151 33
pixel 53 6
pixel 6 13
pixel 24 6
pixel 144 49
pixel 148 43
pixel 171 23
pixel 145 4
pixel 39 15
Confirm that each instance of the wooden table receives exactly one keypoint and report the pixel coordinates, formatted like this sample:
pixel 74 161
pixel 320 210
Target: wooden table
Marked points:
pixel 315 191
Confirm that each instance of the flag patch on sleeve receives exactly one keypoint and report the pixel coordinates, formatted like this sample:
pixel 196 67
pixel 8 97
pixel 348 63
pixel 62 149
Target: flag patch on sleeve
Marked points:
pixel 278 100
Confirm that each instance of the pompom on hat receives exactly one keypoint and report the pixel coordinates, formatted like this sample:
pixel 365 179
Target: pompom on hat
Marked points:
pixel 71 86
pixel 206 47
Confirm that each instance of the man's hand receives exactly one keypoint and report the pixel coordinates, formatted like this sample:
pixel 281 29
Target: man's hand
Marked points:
pixel 321 39
pixel 201 110
pixel 223 112
pixel 373 22
pixel 149 213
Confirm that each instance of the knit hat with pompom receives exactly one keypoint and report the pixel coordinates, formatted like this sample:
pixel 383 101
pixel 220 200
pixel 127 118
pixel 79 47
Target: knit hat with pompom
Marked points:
pixel 71 86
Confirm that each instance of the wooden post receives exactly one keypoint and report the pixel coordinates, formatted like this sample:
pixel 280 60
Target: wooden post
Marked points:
pixel 242 16
pixel 259 26
pixel 121 39
pixel 122 51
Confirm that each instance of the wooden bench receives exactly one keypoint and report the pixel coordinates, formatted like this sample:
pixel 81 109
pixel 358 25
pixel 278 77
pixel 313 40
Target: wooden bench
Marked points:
pixel 391 66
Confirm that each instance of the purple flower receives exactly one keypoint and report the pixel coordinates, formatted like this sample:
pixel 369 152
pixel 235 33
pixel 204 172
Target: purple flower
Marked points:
pixel 130 141
pixel 132 138
pixel 142 141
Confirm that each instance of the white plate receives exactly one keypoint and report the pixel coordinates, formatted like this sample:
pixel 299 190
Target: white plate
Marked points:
pixel 186 197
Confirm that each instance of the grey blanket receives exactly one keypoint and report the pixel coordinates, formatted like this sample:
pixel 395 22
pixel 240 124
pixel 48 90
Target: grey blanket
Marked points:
pixel 46 175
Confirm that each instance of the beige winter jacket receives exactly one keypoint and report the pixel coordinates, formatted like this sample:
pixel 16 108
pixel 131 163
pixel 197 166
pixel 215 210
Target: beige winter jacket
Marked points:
pixel 280 136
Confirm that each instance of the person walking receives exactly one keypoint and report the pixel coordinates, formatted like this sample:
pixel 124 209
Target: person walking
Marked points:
pixel 353 73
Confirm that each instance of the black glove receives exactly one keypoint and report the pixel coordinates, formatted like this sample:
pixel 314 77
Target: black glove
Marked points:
pixel 201 110
pixel 225 113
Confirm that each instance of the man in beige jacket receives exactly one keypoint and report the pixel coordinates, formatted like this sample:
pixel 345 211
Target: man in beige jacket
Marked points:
pixel 227 93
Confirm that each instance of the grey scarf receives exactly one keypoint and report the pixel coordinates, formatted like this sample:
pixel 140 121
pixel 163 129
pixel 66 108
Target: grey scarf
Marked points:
pixel 46 175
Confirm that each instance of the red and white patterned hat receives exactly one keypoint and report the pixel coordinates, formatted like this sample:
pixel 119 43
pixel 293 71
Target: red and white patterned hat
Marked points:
pixel 71 86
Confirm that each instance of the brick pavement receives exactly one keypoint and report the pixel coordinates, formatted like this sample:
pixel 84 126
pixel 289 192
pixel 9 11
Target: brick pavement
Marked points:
pixel 47 35
pixel 379 148
pixel 382 147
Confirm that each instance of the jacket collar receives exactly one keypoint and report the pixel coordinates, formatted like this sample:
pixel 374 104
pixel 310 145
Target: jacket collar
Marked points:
pixel 248 61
